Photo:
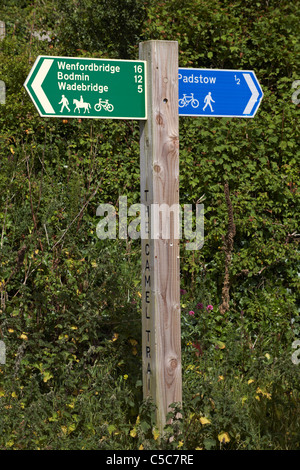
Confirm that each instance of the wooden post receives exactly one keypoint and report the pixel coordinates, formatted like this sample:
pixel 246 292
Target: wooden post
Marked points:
pixel 159 159
pixel 2 30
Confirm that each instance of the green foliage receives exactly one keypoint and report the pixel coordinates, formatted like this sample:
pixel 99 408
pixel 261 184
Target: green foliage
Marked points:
pixel 109 26
pixel 70 303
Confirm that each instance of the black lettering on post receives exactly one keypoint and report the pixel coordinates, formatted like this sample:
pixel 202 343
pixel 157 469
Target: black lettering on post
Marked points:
pixel 147 316
pixel 147 281
pixel 147 295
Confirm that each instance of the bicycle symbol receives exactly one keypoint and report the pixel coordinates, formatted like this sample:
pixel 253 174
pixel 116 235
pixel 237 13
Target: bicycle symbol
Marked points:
pixel 186 100
pixel 105 105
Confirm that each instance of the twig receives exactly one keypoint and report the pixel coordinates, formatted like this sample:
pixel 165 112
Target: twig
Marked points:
pixel 30 194
pixel 227 247
pixel 78 215
pixel 46 235
pixel 4 224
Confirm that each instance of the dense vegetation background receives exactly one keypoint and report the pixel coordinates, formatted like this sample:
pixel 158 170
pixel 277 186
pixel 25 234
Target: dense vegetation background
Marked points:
pixel 70 313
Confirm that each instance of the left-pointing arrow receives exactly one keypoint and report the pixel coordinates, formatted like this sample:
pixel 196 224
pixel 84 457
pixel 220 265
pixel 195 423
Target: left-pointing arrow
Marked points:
pixel 37 85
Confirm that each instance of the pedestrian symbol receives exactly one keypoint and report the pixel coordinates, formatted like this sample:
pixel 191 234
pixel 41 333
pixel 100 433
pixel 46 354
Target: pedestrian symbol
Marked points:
pixel 64 102
pixel 208 100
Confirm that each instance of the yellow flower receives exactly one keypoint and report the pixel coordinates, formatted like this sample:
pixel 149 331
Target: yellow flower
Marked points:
pixel 264 393
pixel 64 429
pixel 10 330
pixel 133 342
pixel 133 432
pixel 204 420
pixel 23 336
pixel 155 433
pixel 141 447
pixel 250 381
pixel 221 377
pixel 224 437
pixel 47 376
pixel 180 444
pixel 125 377
pixel 115 337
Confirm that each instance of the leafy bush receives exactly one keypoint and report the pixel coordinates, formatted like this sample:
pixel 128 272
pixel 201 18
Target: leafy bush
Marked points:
pixel 70 303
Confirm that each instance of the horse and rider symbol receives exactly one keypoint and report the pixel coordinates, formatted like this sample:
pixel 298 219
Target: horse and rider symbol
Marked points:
pixel 80 104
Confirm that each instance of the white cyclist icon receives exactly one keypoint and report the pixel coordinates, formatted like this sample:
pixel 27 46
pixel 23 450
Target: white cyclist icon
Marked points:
pixel 208 100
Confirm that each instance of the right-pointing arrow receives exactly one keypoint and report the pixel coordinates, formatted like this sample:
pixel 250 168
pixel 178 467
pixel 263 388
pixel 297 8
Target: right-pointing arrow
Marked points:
pixel 254 91
pixel 37 85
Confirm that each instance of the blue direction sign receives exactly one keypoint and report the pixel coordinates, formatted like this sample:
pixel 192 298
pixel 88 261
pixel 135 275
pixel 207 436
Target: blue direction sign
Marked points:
pixel 218 93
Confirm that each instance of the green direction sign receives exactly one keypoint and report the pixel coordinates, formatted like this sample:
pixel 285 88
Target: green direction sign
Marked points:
pixel 72 87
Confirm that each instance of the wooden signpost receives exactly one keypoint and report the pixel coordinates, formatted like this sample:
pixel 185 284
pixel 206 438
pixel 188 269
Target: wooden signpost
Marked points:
pixel 148 91
pixel 159 157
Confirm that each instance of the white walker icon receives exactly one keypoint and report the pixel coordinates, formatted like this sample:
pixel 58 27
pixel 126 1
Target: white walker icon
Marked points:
pixel 208 100
pixel 64 102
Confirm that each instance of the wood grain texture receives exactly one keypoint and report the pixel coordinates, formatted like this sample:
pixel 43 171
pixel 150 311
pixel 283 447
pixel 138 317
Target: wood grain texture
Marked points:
pixel 159 161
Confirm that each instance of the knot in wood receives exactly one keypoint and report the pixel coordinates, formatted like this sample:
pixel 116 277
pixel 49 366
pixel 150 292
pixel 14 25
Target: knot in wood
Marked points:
pixel 173 363
pixel 159 120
